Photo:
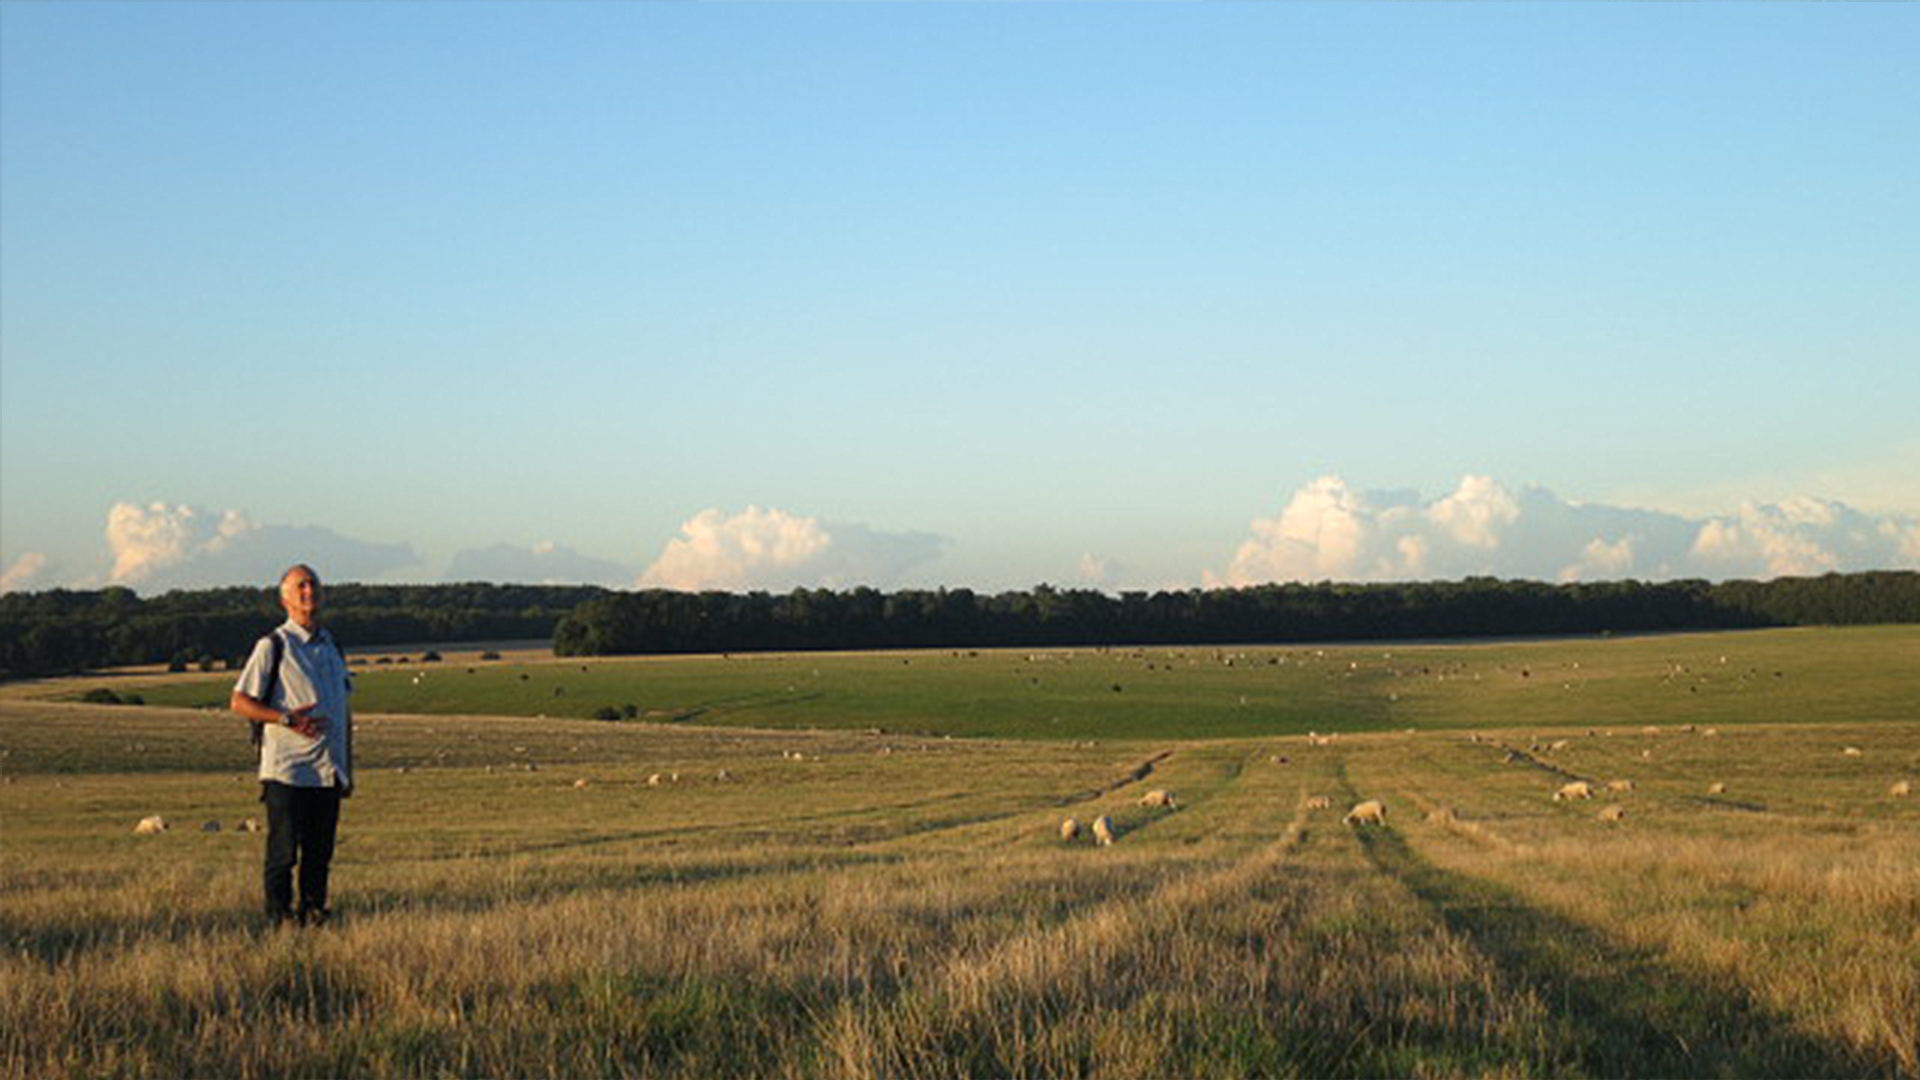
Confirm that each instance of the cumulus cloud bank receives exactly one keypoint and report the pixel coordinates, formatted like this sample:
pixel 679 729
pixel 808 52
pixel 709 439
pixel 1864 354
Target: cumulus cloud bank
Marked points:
pixel 1329 531
pixel 543 564
pixel 773 550
pixel 160 546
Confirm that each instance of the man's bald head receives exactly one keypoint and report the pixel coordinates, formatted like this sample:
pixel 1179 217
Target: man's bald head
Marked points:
pixel 300 594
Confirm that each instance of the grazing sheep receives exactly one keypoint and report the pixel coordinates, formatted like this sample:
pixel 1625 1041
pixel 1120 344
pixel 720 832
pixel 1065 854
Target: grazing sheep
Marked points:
pixel 1320 802
pixel 211 826
pixel 580 783
pixel 1370 812
pixel 1576 789
pixel 1159 797
pixel 1901 789
pixel 150 826
pixel 1443 815
pixel 250 825
pixel 656 780
pixel 1620 785
pixel 724 777
pixel 1559 744
pixel 1070 830
pixel 1851 751
pixel 1716 788
pixel 1103 830
pixel 1613 812
pixel 1710 733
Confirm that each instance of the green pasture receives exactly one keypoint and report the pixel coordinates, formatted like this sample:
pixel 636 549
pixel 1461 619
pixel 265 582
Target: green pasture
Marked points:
pixel 1774 676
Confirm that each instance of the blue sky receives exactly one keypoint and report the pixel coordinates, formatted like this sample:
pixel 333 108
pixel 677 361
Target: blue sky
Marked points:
pixel 972 295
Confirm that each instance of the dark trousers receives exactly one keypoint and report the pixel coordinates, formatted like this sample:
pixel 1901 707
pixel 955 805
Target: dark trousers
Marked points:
pixel 300 825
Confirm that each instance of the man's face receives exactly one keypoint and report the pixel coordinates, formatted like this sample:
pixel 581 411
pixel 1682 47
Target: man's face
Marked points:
pixel 300 595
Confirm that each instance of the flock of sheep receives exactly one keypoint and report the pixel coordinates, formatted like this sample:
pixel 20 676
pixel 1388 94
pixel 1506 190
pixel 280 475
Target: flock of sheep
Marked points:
pixel 154 824
pixel 1103 829
pixel 1364 812
pixel 1374 811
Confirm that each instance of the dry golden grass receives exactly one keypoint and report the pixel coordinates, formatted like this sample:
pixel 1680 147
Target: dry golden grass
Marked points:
pixel 851 905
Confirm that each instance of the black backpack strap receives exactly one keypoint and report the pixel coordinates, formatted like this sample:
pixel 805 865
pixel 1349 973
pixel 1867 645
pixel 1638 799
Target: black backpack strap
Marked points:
pixel 277 648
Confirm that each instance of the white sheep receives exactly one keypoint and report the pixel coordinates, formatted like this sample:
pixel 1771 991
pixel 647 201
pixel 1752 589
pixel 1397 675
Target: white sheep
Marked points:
pixel 1851 751
pixel 1716 788
pixel 1613 812
pixel 656 780
pixel 1320 802
pixel 1070 830
pixel 1370 812
pixel 1901 789
pixel 1576 789
pixel 150 826
pixel 1159 797
pixel 580 783
pixel 251 825
pixel 1443 815
pixel 1103 830
pixel 1620 786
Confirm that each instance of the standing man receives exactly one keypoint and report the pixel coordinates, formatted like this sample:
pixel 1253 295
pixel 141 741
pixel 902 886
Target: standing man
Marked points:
pixel 295 686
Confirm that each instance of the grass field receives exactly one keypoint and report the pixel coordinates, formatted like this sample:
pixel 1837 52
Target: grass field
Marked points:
pixel 863 896
pixel 1783 676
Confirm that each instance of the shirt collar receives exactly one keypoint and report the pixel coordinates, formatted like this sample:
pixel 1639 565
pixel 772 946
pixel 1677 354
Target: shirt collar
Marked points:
pixel 299 633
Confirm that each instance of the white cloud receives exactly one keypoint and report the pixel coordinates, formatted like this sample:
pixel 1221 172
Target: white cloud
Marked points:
pixel 1328 531
pixel 546 563
pixel 1600 560
pixel 1477 512
pixel 774 550
pixel 1320 534
pixel 23 573
pixel 1905 538
pixel 1797 538
pixel 1095 570
pixel 147 539
pixel 160 546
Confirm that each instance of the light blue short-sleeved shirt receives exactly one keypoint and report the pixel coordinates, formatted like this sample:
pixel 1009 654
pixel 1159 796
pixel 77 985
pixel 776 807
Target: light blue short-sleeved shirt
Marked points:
pixel 312 672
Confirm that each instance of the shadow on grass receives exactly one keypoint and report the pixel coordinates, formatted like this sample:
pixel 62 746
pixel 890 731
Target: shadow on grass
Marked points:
pixel 65 942
pixel 1628 1013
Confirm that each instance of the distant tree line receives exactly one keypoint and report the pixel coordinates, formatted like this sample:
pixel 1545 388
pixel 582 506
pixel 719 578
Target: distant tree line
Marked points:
pixel 661 621
pixel 64 630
